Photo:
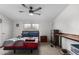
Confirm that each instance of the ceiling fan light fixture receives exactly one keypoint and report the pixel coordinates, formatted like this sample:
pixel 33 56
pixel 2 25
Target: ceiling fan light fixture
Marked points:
pixel 31 14
pixel 31 10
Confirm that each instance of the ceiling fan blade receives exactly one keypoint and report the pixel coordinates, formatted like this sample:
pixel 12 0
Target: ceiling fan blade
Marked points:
pixel 21 11
pixel 24 6
pixel 37 13
pixel 37 9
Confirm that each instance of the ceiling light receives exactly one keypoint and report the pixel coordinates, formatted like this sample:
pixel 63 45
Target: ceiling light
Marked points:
pixel 31 14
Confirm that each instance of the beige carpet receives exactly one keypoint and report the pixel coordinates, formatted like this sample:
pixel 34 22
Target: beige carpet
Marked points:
pixel 44 49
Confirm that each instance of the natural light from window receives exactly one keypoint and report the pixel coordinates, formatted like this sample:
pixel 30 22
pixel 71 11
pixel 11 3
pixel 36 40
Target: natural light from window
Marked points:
pixel 27 25
pixel 36 26
pixel 32 26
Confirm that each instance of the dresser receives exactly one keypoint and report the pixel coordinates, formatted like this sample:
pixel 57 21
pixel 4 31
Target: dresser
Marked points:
pixel 43 38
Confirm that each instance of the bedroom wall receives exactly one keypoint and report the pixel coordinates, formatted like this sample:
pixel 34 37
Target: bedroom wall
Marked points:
pixel 5 28
pixel 44 28
pixel 68 22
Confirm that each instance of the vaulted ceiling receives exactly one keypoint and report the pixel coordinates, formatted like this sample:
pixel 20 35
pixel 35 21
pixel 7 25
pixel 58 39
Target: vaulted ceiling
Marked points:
pixel 48 11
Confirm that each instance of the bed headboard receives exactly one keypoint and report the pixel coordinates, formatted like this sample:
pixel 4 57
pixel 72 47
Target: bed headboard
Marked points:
pixel 30 33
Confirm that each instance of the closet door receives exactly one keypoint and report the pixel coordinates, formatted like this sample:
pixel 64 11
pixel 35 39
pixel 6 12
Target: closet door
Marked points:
pixel 5 29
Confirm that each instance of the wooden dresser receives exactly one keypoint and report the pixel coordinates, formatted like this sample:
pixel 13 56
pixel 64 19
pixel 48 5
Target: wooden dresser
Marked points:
pixel 43 38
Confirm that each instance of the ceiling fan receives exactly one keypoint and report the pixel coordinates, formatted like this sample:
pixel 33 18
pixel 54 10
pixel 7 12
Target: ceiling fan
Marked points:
pixel 32 11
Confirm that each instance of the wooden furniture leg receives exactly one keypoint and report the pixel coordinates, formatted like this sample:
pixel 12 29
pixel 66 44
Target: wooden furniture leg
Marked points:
pixel 31 51
pixel 14 51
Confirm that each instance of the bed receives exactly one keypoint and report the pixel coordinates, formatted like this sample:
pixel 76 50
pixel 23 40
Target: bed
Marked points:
pixel 28 41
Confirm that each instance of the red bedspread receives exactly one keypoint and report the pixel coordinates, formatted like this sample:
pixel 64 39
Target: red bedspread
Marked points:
pixel 27 44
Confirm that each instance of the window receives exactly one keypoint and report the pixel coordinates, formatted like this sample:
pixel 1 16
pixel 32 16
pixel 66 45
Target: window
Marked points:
pixel 36 26
pixel 27 25
pixel 31 26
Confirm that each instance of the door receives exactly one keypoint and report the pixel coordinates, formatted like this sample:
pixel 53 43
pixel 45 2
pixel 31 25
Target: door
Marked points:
pixel 5 30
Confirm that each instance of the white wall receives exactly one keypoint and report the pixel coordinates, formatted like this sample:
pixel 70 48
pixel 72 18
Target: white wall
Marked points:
pixel 68 22
pixel 5 29
pixel 0 33
pixel 44 28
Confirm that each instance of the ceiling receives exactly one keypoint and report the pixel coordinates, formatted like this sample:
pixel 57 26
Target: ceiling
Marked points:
pixel 48 11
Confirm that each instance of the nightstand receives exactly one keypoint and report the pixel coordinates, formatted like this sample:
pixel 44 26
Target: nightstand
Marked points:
pixel 43 38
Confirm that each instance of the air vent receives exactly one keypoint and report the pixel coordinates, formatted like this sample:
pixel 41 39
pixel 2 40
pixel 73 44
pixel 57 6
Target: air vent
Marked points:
pixel 17 25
